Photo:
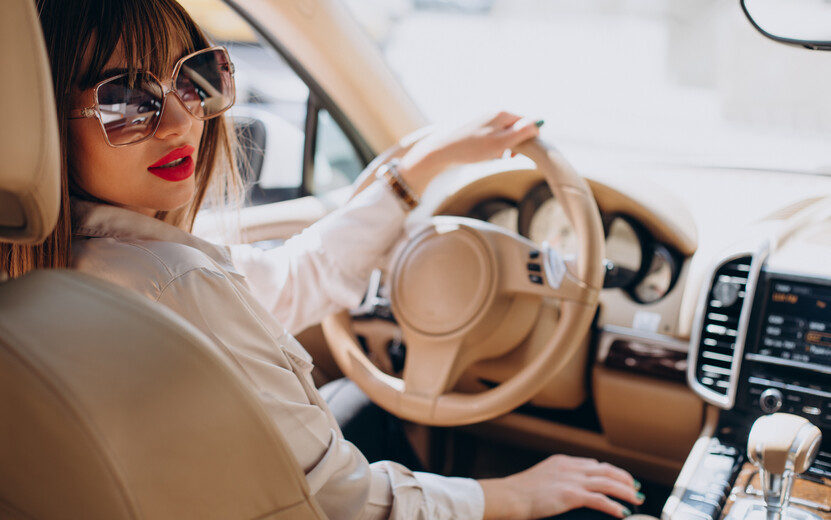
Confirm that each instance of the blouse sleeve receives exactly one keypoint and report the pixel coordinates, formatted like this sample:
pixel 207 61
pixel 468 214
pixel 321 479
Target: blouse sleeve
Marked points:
pixel 326 267
pixel 279 371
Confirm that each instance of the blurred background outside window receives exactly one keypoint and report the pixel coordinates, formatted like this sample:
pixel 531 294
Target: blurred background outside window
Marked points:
pixel 684 81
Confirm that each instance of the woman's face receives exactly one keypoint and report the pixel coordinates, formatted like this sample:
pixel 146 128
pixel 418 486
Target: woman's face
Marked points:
pixel 146 177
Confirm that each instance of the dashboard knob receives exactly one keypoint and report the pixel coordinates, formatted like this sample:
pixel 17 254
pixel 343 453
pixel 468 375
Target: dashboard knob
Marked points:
pixel 771 400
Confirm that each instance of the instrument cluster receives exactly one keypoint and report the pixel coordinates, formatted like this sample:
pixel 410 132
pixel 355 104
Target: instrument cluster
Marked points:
pixel 635 262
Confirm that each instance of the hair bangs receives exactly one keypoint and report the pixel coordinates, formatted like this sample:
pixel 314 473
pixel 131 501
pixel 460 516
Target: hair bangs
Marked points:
pixel 151 34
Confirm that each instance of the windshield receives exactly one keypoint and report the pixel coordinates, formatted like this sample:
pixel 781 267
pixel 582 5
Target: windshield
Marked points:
pixel 683 82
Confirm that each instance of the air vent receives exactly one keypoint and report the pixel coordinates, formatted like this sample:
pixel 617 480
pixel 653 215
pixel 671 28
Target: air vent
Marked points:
pixel 720 326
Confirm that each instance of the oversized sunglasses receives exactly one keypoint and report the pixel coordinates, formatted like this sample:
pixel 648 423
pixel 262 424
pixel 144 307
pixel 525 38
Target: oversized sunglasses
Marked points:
pixel 130 106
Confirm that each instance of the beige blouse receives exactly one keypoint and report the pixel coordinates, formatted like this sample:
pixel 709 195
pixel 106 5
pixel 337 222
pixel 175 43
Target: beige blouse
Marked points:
pixel 248 301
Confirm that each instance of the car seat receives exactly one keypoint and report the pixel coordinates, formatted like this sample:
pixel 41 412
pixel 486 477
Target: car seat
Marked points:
pixel 110 407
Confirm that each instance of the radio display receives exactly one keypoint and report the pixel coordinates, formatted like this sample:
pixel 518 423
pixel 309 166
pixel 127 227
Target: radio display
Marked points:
pixel 797 322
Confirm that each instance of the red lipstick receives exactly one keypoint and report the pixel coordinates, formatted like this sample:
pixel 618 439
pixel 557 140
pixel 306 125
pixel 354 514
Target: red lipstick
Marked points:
pixel 181 168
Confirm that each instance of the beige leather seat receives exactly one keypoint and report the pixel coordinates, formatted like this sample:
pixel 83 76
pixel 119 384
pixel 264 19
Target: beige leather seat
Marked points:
pixel 111 408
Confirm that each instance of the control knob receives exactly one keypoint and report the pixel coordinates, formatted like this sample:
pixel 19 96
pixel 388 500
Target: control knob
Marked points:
pixel 771 400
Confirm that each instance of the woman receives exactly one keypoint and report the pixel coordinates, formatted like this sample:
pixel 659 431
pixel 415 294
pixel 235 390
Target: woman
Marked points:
pixel 140 93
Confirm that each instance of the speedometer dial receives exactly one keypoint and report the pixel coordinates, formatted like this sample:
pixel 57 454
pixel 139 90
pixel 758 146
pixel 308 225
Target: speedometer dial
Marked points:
pixel 542 218
pixel 635 262
pixel 663 271
pixel 624 252
pixel 550 223
pixel 500 212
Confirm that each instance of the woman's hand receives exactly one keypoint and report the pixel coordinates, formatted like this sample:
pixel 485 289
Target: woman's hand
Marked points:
pixel 479 140
pixel 559 484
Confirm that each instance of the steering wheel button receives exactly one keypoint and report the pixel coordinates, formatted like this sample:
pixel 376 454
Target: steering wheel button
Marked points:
pixel 535 278
pixel 535 267
pixel 533 254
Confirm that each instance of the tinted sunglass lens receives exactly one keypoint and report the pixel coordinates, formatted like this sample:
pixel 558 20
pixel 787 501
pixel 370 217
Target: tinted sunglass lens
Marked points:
pixel 206 84
pixel 129 109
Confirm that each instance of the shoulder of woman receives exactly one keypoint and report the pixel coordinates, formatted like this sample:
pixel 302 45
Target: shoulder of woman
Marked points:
pixel 142 265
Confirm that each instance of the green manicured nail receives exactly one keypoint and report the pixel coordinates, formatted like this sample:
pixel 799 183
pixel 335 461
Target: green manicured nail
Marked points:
pixel 539 123
pixel 626 512
pixel 637 485
pixel 640 496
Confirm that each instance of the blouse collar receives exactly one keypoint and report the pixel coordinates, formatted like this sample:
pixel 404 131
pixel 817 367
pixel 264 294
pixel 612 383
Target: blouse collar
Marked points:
pixel 96 220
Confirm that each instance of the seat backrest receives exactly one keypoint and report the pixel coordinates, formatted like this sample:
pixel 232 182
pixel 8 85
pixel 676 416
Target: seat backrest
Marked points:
pixel 111 407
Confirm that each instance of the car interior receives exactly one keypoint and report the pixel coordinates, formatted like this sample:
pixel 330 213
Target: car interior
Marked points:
pixel 679 331
pixel 109 403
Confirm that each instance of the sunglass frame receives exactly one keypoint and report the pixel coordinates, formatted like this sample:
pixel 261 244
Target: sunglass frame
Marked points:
pixel 95 109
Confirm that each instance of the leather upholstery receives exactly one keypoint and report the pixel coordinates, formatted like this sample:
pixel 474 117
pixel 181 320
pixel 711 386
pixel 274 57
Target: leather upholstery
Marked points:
pixel 30 181
pixel 111 406
pixel 118 411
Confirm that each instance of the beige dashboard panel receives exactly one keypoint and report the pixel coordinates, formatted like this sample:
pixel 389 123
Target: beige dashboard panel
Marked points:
pixel 659 211
pixel 645 414
pixel 806 249
pixel 498 185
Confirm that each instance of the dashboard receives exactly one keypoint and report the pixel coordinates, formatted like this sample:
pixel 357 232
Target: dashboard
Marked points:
pixel 638 264
pixel 743 296
pixel 689 252
pixel 761 344
pixel 764 346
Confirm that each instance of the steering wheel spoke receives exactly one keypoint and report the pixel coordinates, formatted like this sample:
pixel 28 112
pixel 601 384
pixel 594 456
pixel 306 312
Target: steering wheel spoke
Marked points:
pixel 526 268
pixel 433 366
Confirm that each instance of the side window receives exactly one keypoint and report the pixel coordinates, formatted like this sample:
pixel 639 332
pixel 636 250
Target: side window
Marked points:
pixel 336 163
pixel 292 146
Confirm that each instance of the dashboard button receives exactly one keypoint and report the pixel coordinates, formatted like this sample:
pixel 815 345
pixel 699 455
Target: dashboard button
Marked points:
pixel 811 410
pixel 535 279
pixel 535 267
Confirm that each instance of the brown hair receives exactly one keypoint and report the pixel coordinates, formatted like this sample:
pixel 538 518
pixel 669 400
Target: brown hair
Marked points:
pixel 149 31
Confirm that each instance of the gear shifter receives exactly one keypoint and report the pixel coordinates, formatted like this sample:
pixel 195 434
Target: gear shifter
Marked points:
pixel 781 446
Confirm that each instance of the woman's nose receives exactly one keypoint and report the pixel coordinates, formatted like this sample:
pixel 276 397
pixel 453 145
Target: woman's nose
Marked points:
pixel 176 119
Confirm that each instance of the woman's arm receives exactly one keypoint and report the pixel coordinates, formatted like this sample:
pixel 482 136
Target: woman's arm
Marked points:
pixel 325 268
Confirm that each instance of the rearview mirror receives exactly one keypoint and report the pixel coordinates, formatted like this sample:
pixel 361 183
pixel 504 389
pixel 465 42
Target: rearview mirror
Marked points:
pixel 806 23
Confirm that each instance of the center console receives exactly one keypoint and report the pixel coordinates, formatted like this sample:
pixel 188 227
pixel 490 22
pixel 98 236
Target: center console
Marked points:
pixel 761 345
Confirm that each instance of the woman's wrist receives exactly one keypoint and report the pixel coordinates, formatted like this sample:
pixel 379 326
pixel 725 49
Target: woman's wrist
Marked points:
pixel 390 175
pixel 418 170
pixel 502 500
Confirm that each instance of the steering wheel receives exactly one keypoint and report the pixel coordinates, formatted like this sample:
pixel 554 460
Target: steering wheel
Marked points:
pixel 463 291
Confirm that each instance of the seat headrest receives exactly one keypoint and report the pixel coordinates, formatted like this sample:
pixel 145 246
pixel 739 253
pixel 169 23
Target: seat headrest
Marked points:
pixel 29 144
